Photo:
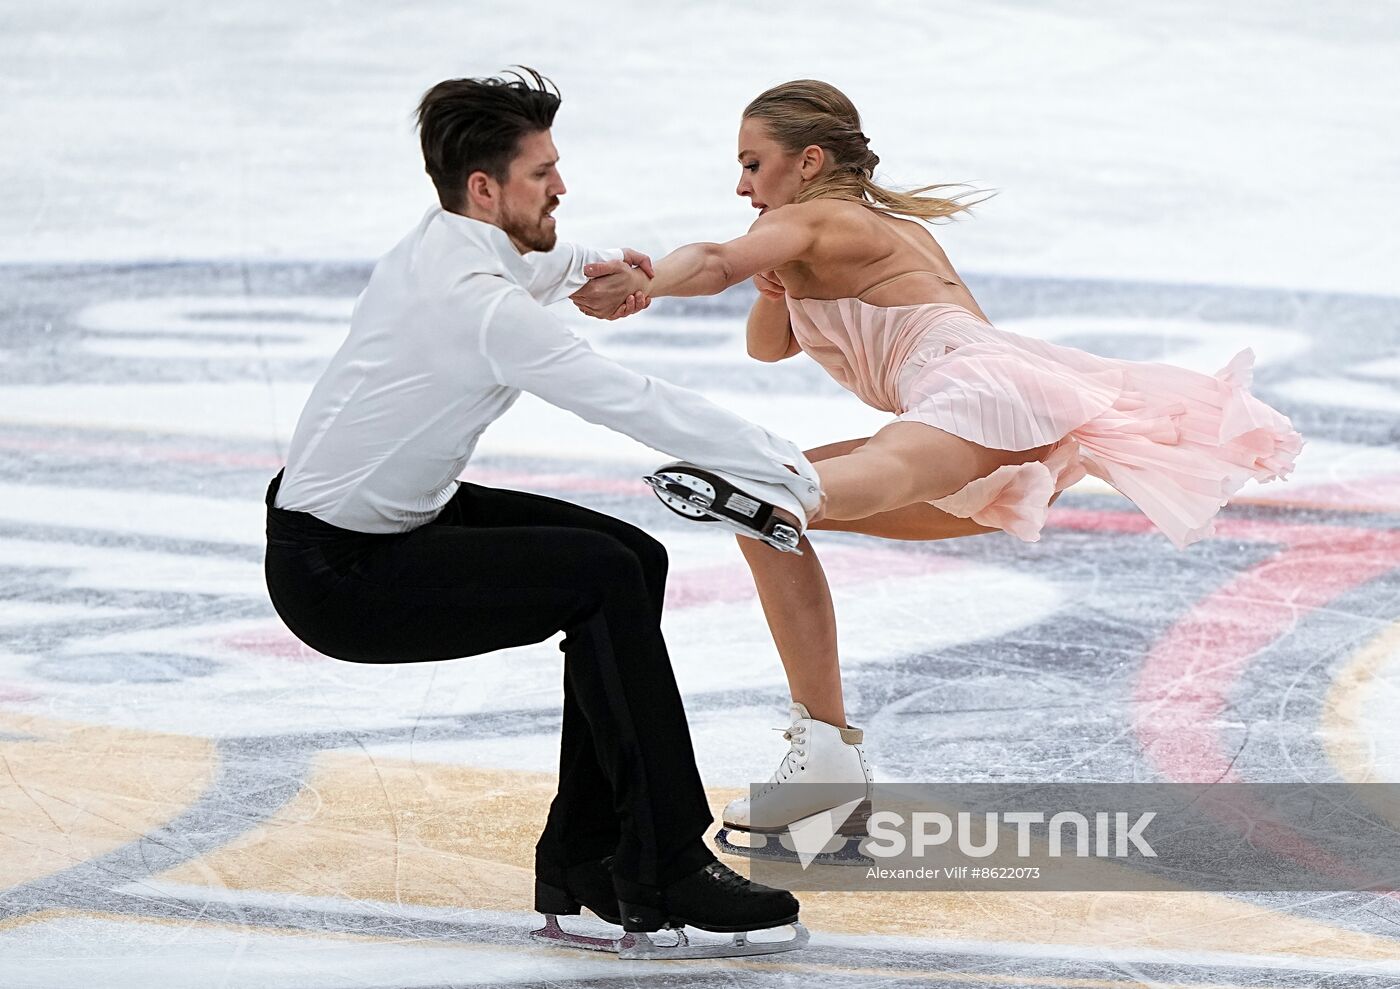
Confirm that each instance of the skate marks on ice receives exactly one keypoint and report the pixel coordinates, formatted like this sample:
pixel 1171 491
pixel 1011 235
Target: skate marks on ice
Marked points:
pixel 370 857
pixel 184 786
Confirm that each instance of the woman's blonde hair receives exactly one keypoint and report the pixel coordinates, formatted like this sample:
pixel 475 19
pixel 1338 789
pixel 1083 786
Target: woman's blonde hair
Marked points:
pixel 806 112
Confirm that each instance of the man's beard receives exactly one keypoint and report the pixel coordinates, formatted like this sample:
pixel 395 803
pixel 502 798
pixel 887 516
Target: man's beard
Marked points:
pixel 530 230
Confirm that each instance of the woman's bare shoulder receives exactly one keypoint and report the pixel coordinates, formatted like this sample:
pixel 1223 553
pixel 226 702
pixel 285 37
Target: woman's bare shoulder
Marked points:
pixel 862 220
pixel 842 211
pixel 818 211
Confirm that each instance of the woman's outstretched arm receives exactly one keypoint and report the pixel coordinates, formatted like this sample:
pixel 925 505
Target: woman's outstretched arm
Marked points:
pixel 778 237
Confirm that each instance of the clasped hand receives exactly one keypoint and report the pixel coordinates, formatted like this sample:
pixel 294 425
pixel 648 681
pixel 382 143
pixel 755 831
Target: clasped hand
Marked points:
pixel 616 288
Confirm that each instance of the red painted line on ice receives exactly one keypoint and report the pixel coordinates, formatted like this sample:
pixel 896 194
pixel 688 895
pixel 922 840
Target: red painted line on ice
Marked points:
pixel 1187 676
pixel 1186 680
pixel 10 693
pixel 273 640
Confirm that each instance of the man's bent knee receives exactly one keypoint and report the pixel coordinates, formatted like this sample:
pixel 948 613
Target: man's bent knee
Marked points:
pixel 649 550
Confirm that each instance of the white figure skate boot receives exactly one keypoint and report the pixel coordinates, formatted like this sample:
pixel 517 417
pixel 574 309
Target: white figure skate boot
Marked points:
pixel 748 507
pixel 825 770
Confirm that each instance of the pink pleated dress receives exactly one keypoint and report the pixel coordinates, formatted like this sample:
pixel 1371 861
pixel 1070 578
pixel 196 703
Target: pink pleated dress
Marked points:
pixel 1178 443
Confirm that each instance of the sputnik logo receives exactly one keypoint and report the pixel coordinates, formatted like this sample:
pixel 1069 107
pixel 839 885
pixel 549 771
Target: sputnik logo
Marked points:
pixel 811 834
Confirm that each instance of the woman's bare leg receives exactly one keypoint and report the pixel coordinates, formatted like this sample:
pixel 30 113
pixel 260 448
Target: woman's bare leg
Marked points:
pixel 907 463
pixel 797 603
pixel 919 523
pixel 793 589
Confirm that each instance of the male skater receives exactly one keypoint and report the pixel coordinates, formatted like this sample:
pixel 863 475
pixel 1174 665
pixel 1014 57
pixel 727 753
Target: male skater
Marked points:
pixel 377 554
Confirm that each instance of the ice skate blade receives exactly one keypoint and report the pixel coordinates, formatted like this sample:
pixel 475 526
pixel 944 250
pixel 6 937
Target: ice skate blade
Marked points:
pixel 772 848
pixel 684 494
pixel 556 937
pixel 739 947
pixel 695 506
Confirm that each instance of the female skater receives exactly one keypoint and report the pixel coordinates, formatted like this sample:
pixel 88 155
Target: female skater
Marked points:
pixel 990 426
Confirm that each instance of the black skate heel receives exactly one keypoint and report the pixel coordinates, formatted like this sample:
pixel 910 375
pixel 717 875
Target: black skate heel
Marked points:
pixel 589 885
pixel 550 899
pixel 641 918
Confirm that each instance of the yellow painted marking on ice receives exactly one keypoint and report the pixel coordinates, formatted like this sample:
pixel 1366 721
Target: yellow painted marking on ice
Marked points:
pixel 1347 737
pixel 72 792
pixel 455 836
pixel 37 917
pixel 395 831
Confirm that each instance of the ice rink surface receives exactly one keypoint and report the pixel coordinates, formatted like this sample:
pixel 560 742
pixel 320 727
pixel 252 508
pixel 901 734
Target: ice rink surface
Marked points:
pixel 191 198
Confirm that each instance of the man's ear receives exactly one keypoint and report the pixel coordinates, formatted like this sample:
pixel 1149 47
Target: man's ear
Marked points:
pixel 483 192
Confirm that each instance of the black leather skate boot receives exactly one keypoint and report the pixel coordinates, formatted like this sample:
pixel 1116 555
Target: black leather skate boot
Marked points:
pixel 714 898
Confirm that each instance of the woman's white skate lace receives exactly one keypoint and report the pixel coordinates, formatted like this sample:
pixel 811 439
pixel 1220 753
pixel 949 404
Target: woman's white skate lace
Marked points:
pixel 797 748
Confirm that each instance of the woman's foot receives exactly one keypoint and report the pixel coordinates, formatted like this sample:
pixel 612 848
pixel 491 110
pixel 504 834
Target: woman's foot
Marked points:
pixel 759 510
pixel 825 768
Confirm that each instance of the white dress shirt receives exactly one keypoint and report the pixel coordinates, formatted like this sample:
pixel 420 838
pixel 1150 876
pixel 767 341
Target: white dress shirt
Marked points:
pixel 449 331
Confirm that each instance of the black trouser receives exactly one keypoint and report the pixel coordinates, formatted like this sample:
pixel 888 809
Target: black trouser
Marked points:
pixel 505 568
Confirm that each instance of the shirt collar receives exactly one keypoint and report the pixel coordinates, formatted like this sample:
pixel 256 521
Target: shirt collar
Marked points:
pixel 493 241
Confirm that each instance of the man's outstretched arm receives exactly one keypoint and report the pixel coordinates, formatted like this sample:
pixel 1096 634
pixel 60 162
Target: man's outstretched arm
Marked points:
pixel 559 274
pixel 529 349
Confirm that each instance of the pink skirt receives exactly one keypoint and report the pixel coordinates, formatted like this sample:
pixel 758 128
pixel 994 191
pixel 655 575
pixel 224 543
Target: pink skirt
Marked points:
pixel 1178 443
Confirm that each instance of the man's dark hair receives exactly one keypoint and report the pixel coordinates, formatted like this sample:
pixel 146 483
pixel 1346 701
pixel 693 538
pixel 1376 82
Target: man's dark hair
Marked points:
pixel 475 125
